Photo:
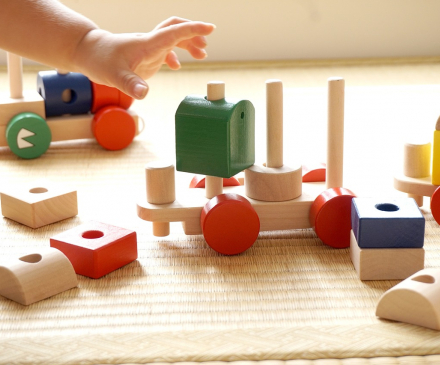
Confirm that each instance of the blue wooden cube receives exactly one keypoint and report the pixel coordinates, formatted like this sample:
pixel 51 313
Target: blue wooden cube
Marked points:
pixel 396 223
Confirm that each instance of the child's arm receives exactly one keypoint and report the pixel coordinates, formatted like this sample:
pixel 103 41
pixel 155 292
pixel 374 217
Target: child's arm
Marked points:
pixel 49 32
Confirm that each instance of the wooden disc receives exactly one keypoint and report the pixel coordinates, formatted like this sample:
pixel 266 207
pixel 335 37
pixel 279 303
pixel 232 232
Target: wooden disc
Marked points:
pixel 330 216
pixel 230 224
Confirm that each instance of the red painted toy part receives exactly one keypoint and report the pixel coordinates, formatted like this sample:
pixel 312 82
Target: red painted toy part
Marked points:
pixel 314 173
pixel 114 128
pixel 230 224
pixel 96 249
pixel 105 96
pixel 330 216
pixel 198 181
pixel 435 205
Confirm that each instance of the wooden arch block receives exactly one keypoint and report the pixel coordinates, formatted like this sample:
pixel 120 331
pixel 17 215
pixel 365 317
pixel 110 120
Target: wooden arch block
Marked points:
pixel 36 276
pixel 96 249
pixel 38 204
pixel 415 300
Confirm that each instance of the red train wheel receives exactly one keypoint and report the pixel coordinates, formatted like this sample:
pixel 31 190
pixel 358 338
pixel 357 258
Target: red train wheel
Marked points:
pixel 230 224
pixel 435 205
pixel 114 128
pixel 330 216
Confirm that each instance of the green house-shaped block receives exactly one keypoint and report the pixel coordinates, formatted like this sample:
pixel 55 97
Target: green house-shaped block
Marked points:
pixel 215 138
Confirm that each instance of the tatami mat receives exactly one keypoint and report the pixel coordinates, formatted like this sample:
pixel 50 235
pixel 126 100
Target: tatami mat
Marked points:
pixel 288 297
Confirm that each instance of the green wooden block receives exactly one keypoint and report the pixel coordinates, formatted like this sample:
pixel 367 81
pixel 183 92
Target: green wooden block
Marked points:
pixel 215 138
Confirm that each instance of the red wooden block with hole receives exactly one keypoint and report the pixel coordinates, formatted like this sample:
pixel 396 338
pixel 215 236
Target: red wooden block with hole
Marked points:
pixel 105 96
pixel 330 216
pixel 314 172
pixel 230 224
pixel 96 249
pixel 198 181
pixel 114 128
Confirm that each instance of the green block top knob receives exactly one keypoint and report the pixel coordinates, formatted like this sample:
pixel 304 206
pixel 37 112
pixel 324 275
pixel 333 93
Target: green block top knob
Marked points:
pixel 28 135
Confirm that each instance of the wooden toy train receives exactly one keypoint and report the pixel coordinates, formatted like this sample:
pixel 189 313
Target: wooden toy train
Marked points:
pixel 66 106
pixel 215 137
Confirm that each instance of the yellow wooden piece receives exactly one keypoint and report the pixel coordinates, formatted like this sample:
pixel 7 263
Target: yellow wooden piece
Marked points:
pixel 36 276
pixel 385 263
pixel 38 204
pixel 415 300
pixel 435 176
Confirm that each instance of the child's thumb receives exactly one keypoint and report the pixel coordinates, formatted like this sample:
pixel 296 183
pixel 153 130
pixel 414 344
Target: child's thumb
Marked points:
pixel 131 84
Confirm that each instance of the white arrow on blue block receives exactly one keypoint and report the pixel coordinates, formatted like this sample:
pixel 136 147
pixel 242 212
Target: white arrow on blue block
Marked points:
pixel 21 142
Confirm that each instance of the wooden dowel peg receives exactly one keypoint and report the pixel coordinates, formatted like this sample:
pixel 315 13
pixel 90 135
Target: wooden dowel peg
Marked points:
pixel 274 123
pixel 214 184
pixel 161 189
pixel 335 132
pixel 15 72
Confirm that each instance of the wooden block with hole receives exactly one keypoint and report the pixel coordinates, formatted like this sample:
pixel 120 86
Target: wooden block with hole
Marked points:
pixel 95 249
pixel 385 263
pixel 38 204
pixel 394 223
pixel 415 300
pixel 36 276
pixel 215 137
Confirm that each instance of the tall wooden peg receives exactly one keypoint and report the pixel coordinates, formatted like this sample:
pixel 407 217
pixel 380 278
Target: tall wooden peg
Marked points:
pixel 160 190
pixel 274 120
pixel 335 133
pixel 214 184
pixel 15 72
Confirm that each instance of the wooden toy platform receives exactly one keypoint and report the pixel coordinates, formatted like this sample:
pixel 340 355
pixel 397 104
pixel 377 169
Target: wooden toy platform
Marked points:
pixel 289 298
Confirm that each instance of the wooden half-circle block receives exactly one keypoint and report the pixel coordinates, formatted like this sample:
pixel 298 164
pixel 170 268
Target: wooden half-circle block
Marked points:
pixel 415 300
pixel 230 224
pixel 198 181
pixel 314 173
pixel 330 216
pixel 36 276
pixel 273 184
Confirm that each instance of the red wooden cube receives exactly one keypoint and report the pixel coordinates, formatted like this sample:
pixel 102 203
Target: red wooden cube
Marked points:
pixel 96 249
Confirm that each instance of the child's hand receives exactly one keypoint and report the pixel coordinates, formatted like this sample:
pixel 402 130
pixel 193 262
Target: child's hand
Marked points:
pixel 124 61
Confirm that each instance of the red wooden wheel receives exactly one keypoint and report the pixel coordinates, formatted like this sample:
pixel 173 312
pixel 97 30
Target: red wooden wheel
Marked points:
pixel 330 216
pixel 435 205
pixel 114 128
pixel 230 224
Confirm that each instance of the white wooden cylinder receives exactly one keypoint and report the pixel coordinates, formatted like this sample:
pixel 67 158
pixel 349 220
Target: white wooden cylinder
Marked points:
pixel 214 184
pixel 335 133
pixel 417 159
pixel 15 72
pixel 161 189
pixel 216 90
pixel 274 123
